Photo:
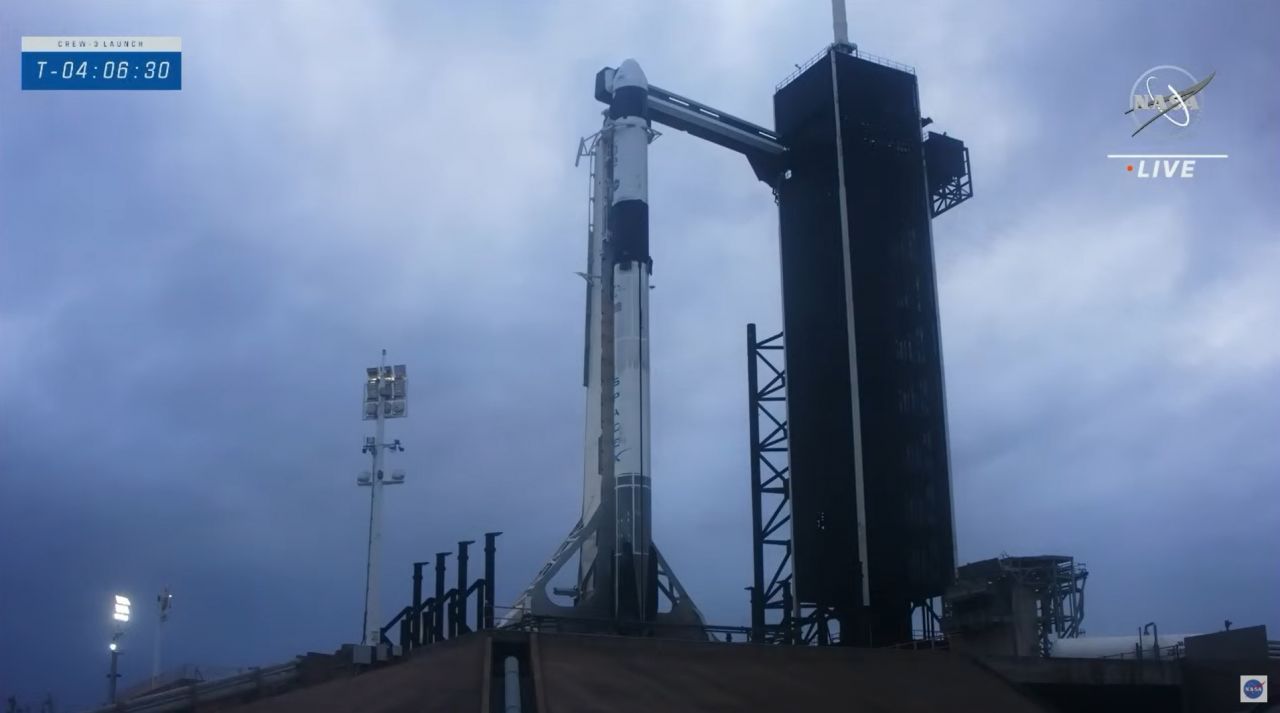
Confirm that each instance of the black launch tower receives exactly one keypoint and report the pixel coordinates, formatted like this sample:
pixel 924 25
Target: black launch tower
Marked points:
pixel 869 474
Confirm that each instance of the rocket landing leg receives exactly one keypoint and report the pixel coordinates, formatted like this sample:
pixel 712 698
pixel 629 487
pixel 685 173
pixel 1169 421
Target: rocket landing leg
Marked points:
pixel 676 617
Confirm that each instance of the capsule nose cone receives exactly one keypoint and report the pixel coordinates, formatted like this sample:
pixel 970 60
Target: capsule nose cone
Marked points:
pixel 629 74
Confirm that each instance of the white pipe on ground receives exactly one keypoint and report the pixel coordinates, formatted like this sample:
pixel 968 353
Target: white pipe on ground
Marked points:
pixel 511 697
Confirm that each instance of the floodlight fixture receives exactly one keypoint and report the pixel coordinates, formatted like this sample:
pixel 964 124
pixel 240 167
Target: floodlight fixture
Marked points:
pixel 121 610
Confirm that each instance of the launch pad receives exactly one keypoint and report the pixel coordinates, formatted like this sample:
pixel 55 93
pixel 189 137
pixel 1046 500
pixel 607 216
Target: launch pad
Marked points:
pixel 853 534
pixel 865 519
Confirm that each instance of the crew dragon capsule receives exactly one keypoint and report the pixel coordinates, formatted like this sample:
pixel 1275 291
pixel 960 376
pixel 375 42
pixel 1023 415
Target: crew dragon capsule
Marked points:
pixel 618 567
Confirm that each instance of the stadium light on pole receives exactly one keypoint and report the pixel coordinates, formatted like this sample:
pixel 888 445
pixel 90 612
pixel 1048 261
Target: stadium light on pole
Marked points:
pixel 385 396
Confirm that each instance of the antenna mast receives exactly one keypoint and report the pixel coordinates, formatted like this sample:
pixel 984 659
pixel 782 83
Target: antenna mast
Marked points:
pixel 165 602
pixel 839 22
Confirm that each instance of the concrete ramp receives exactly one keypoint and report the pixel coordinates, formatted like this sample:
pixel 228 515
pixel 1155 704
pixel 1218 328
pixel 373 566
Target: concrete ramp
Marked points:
pixel 597 673
pixel 444 677
pixel 566 673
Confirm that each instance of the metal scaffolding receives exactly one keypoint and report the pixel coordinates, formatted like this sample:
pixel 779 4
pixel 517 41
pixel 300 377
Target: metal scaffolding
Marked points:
pixel 776 616
pixel 772 608
pixel 1042 595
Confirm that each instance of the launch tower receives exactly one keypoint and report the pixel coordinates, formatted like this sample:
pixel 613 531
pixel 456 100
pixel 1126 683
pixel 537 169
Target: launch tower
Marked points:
pixel 867 490
pixel 870 490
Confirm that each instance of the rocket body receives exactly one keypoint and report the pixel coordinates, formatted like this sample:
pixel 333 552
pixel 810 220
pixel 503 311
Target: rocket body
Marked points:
pixel 619 568
pixel 633 567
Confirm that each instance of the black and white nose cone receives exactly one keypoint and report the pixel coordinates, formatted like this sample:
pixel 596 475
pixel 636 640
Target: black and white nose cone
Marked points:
pixel 629 74
pixel 630 92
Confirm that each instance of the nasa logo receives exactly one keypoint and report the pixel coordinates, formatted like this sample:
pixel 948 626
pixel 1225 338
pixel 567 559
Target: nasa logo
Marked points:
pixel 1155 95
pixel 1149 103
pixel 1253 689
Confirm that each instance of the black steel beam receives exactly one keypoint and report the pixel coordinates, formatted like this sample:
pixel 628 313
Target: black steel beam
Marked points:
pixel 437 623
pixel 451 606
pixel 426 622
pixel 757 516
pixel 460 603
pixel 760 145
pixel 490 548
pixel 415 625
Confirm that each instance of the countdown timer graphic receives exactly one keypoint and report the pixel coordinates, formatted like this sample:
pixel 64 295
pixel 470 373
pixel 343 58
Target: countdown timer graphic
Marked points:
pixel 101 63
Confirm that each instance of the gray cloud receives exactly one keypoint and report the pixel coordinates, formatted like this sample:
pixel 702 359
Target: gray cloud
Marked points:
pixel 190 285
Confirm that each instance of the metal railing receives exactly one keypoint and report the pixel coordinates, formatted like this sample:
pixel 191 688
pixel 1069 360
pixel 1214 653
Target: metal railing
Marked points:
pixel 184 697
pixel 922 640
pixel 573 624
pixel 847 49
pixel 1178 651
pixel 183 675
pixel 1175 651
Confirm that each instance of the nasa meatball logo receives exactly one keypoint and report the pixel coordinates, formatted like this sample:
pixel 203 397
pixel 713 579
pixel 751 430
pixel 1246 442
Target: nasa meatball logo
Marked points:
pixel 1165 104
pixel 1253 689
pixel 1166 92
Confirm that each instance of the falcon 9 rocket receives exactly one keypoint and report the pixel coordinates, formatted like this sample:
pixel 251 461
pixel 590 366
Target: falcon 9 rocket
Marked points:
pixel 619 569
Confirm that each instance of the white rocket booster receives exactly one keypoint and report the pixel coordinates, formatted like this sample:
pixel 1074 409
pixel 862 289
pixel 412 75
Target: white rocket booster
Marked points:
pixel 619 567
pixel 629 240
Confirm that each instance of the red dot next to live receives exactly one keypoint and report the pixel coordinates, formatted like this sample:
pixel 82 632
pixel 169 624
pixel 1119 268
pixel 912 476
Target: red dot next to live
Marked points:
pixel 1129 167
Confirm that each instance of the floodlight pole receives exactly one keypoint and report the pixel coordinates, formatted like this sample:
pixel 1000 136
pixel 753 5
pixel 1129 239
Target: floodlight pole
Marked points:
pixel 372 634
pixel 372 629
pixel 112 676
pixel 121 617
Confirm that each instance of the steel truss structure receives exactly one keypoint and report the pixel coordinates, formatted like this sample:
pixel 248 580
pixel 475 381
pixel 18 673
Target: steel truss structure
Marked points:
pixel 772 609
pixel 950 191
pixel 1055 582
pixel 444 615
pixel 775 616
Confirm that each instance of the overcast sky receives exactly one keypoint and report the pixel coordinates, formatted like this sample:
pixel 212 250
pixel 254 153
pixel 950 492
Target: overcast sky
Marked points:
pixel 191 284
